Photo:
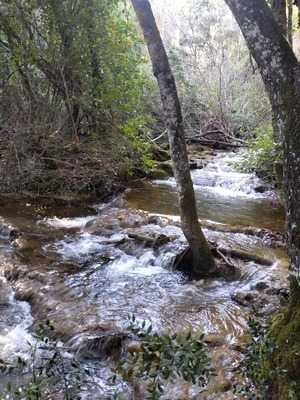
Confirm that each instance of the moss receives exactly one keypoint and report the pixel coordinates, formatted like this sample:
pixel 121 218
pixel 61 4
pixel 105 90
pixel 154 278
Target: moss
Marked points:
pixel 285 359
pixel 158 173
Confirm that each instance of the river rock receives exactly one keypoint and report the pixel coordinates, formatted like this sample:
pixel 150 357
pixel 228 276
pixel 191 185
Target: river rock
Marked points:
pixel 99 342
pixel 260 286
pixel 214 340
pixel 262 188
pixel 114 221
pixel 196 163
pixel 152 240
pixel 244 298
pixel 166 166
pixel 5 292
pixel 24 290
pixel 7 230
pixel 134 347
pixel 158 173
pixel 220 385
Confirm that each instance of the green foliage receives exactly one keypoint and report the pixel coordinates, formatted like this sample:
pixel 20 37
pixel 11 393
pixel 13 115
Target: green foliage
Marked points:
pixel 83 52
pixel 254 367
pixel 271 366
pixel 165 357
pixel 134 129
pixel 69 71
pixel 262 154
pixel 49 371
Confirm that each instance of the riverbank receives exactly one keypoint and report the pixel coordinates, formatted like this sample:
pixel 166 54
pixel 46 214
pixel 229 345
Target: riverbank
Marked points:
pixel 59 167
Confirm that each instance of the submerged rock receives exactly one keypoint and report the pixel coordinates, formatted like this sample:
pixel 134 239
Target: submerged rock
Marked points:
pixel 263 188
pixel 244 298
pixel 99 342
pixel 214 340
pixel 153 240
pixel 5 293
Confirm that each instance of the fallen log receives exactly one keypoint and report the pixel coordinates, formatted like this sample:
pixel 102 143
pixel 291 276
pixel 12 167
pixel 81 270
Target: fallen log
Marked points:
pixel 275 239
pixel 262 233
pixel 214 143
pixel 243 255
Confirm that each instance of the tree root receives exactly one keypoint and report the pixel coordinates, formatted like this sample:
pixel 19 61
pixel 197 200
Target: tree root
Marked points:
pixel 226 268
pixel 243 255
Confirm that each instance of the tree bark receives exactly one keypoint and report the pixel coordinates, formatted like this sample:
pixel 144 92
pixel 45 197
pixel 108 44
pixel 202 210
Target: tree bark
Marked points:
pixel 279 11
pixel 290 23
pixel 280 71
pixel 297 3
pixel 203 261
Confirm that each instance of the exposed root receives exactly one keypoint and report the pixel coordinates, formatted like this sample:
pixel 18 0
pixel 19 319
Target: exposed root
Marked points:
pixel 244 255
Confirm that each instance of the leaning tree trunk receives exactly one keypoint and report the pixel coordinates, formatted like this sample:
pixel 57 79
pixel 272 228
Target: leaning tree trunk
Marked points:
pixel 203 261
pixel 280 71
pixel 279 11
pixel 290 22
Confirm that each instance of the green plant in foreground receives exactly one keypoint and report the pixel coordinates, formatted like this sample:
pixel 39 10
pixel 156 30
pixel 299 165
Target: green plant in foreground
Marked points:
pixel 49 371
pixel 164 357
pixel 256 368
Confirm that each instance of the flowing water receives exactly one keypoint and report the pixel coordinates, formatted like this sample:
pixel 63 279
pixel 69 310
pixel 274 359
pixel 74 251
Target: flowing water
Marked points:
pixel 83 268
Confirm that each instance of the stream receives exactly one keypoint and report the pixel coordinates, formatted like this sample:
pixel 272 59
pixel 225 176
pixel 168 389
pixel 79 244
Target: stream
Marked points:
pixel 82 269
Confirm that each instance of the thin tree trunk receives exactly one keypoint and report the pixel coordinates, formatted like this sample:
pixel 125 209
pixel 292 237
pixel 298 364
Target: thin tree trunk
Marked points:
pixel 297 3
pixel 280 71
pixel 290 22
pixel 203 261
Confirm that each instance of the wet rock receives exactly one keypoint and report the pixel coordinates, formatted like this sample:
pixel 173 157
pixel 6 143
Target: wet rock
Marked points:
pixel 154 219
pixel 6 230
pixel 214 340
pixel 114 221
pixel 167 167
pixel 193 164
pixel 158 173
pixel 262 188
pixel 267 309
pixel 13 271
pixel 26 244
pixel 196 164
pixel 5 292
pixel 221 385
pixel 240 348
pixel 99 342
pixel 281 291
pixel 152 240
pixel 24 291
pixel 260 286
pixel 134 347
pixel 160 154
pixel 244 298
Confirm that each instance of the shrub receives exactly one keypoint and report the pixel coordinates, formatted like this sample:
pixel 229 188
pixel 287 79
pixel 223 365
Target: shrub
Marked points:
pixel 262 154
pixel 165 357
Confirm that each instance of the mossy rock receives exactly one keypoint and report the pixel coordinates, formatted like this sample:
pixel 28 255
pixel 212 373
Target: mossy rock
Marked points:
pixel 158 173
pixel 285 360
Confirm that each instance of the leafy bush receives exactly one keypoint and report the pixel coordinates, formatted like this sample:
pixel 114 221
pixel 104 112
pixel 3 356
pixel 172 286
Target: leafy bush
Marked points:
pixel 165 357
pixel 254 368
pixel 262 154
pixel 49 371
pixel 262 376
